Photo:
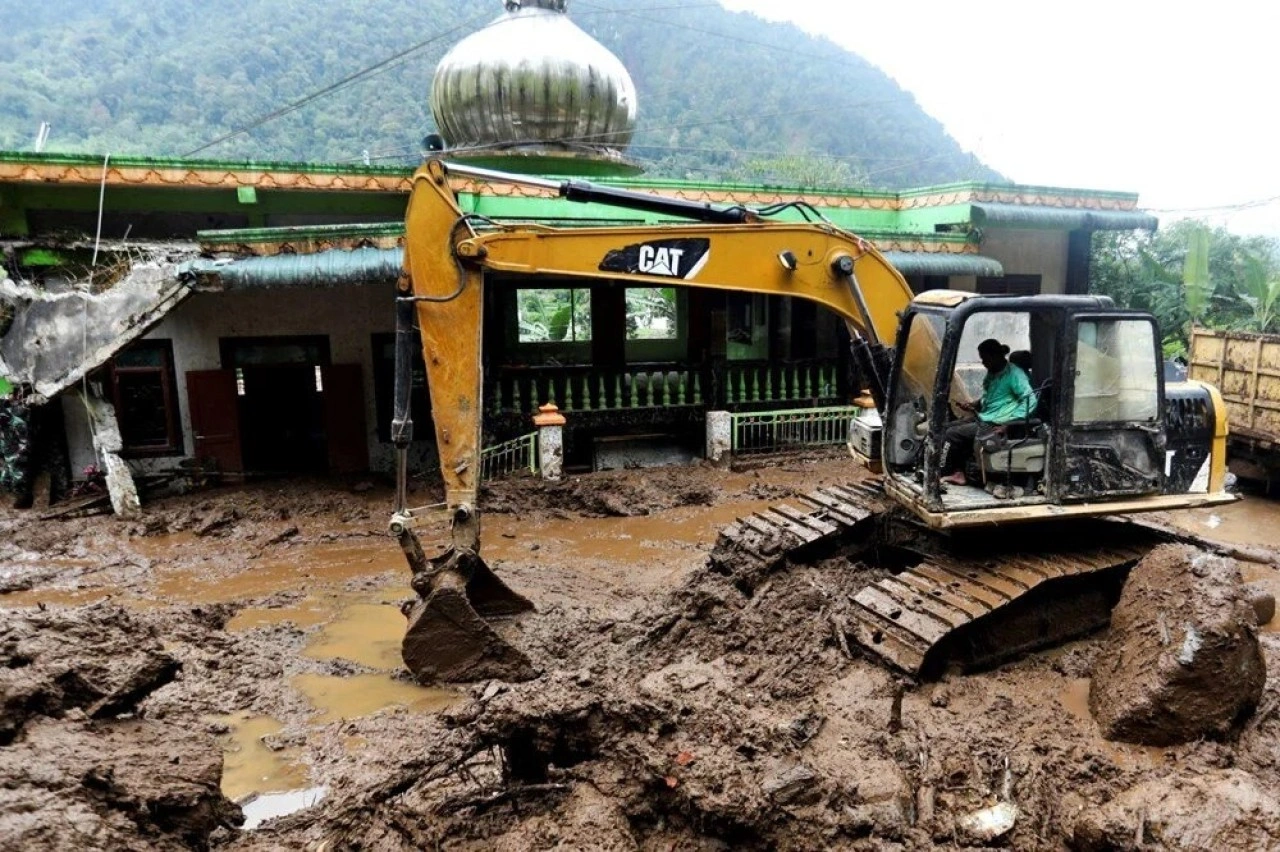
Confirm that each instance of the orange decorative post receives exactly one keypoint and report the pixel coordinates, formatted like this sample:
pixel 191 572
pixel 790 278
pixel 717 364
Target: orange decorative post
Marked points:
pixel 550 423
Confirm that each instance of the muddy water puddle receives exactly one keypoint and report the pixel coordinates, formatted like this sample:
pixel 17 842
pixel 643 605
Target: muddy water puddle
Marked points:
pixel 614 540
pixel 365 633
pixel 250 766
pixel 75 597
pixel 338 698
pixel 301 569
pixel 1250 520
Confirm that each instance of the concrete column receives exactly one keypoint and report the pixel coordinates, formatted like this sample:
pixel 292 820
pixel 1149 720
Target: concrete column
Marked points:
pixel 550 423
pixel 719 437
pixel 107 441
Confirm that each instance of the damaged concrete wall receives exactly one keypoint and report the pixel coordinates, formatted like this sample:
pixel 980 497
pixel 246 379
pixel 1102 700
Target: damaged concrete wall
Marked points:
pixel 106 438
pixel 54 339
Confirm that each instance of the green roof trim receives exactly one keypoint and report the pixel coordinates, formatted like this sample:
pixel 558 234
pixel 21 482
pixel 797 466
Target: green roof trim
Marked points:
pixel 938 263
pixel 976 187
pixel 73 159
pixel 302 232
pixel 1061 218
pixel 57 159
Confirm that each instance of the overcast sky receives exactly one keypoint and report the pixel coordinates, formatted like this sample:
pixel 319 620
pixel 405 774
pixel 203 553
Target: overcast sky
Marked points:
pixel 1178 102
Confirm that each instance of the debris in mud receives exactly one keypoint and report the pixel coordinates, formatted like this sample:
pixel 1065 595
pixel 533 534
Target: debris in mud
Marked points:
pixel 75 777
pixel 1182 659
pixel 99 660
pixel 624 494
pixel 989 825
pixel 682 705
pixel 111 785
pixel 1221 809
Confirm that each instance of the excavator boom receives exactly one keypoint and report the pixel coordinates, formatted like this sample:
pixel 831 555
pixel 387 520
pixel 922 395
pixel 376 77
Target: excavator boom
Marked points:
pixel 447 256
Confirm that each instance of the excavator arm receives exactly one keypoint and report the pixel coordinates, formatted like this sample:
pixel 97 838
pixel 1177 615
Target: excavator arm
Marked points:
pixel 447 256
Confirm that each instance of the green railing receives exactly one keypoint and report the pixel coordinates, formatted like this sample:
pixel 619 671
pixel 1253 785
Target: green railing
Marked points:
pixel 518 454
pixel 593 389
pixel 768 431
pixel 779 382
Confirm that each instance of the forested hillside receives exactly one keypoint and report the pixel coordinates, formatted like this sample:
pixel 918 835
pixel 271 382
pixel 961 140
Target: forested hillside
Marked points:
pixel 722 95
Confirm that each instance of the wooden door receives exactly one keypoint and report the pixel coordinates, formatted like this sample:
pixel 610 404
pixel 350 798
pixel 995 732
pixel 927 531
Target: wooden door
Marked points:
pixel 215 417
pixel 346 436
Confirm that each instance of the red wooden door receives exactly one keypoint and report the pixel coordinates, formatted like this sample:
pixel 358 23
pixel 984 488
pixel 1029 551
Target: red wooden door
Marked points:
pixel 346 436
pixel 215 417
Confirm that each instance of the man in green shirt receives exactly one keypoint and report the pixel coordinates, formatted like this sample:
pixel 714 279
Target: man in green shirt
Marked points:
pixel 1007 397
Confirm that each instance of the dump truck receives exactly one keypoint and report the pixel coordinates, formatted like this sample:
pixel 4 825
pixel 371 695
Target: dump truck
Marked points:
pixel 1245 367
pixel 1025 555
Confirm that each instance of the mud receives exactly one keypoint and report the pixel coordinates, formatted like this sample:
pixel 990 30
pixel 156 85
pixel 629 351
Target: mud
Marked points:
pixel 677 709
pixel 77 770
pixel 1182 659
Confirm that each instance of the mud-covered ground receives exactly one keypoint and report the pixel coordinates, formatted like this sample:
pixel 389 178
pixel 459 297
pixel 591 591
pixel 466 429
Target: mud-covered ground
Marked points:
pixel 678 707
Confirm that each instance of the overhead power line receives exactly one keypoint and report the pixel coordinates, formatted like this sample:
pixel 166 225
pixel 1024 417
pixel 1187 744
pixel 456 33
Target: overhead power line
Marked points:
pixel 363 74
pixel 1222 208
pixel 349 80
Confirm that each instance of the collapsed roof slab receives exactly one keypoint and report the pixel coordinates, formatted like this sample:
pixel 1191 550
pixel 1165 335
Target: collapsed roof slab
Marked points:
pixel 55 339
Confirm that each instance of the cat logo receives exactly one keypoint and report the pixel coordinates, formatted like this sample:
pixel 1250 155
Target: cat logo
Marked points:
pixel 655 260
pixel 666 258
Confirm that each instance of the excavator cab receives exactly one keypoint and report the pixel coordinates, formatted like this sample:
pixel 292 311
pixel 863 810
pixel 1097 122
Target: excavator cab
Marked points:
pixel 1098 430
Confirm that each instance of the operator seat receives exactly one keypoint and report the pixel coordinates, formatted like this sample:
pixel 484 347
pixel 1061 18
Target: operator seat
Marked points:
pixel 1023 447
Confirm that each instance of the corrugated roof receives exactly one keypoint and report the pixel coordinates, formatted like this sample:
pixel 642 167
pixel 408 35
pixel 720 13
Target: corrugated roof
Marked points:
pixel 938 263
pixel 1061 218
pixel 324 269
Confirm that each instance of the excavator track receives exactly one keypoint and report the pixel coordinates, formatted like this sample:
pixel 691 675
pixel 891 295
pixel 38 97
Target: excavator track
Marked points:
pixel 827 516
pixel 905 619
pixel 952 603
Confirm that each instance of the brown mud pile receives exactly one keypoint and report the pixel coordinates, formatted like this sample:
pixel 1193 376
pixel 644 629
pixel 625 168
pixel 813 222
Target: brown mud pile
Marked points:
pixel 77 770
pixel 624 494
pixel 1182 659
pixel 683 704
pixel 732 714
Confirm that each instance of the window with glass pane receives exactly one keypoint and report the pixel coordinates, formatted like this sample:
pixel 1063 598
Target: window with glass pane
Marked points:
pixel 1012 328
pixel 651 313
pixel 1116 378
pixel 554 316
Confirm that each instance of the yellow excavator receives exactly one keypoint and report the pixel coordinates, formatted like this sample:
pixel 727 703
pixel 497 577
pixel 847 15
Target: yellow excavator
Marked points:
pixel 1028 555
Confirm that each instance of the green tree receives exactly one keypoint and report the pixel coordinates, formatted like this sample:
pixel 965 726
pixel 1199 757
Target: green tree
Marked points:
pixel 1261 292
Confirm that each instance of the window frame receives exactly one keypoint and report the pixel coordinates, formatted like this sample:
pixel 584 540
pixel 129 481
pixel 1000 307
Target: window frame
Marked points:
pixel 167 376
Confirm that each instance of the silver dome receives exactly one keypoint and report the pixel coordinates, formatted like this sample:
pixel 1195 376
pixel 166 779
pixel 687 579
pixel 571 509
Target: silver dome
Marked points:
pixel 533 84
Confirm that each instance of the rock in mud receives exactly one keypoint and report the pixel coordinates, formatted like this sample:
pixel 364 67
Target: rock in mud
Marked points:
pixel 111 785
pixel 98 659
pixel 1182 659
pixel 789 783
pixel 1227 809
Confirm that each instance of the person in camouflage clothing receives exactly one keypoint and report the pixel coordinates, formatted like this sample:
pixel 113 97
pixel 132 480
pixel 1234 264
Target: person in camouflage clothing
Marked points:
pixel 16 436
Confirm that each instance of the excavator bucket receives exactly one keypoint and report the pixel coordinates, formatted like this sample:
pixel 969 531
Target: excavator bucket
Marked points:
pixel 449 638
